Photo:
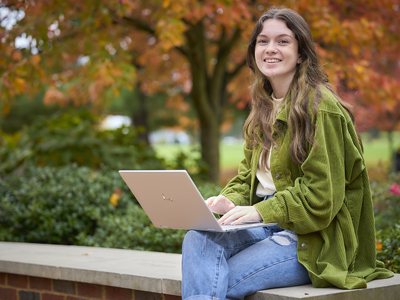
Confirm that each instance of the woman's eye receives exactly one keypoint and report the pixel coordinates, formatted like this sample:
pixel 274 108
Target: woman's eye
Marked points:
pixel 283 42
pixel 262 41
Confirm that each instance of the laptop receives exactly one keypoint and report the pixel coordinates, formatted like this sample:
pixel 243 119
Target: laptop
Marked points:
pixel 172 200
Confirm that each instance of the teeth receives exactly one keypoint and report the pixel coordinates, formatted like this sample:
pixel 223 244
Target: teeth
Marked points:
pixel 272 60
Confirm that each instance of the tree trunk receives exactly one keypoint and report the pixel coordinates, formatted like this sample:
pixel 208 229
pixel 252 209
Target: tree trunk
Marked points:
pixel 209 139
pixel 209 90
pixel 209 87
pixel 205 93
pixel 140 116
pixel 391 144
pixel 210 121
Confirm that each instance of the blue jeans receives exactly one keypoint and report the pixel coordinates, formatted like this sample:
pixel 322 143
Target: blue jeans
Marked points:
pixel 232 265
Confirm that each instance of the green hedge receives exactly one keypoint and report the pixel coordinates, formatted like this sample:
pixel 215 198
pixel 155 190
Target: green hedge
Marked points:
pixel 386 199
pixel 388 247
pixel 74 137
pixel 50 193
pixel 71 205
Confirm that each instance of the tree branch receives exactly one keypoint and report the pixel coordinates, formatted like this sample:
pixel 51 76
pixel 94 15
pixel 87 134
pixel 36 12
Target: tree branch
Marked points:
pixel 139 24
pixel 196 55
pixel 234 72
pixel 219 80
pixel 182 51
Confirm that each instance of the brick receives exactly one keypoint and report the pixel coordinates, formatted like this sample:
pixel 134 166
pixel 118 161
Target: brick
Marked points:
pixel 28 295
pixel 39 283
pixel 115 293
pixel 52 297
pixel 140 295
pixel 75 298
pixel 8 294
pixel 20 281
pixel 171 297
pixel 3 278
pixel 90 290
pixel 64 286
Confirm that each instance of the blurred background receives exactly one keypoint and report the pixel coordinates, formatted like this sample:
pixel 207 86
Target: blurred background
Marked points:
pixel 91 87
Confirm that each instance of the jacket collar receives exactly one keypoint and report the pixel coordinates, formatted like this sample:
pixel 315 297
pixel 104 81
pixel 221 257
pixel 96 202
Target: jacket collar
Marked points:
pixel 284 113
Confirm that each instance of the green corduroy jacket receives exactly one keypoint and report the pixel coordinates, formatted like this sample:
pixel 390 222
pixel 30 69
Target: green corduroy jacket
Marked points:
pixel 326 200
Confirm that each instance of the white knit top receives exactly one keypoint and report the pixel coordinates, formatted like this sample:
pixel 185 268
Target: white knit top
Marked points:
pixel 266 184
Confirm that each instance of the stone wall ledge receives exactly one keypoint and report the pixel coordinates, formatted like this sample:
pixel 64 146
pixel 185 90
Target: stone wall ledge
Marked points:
pixel 153 272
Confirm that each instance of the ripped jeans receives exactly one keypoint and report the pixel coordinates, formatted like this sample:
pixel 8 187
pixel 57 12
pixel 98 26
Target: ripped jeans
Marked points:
pixel 232 265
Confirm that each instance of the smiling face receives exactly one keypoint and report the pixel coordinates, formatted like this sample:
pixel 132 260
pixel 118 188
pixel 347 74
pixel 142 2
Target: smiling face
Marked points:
pixel 276 53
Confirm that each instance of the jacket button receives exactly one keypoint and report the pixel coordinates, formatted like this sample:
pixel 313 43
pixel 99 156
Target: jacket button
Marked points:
pixel 277 176
pixel 304 246
pixel 275 147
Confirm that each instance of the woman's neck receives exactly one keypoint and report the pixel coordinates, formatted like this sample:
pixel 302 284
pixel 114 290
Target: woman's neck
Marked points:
pixel 280 88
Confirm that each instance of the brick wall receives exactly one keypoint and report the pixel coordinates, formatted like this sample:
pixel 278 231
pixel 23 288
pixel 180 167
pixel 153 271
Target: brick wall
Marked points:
pixel 20 287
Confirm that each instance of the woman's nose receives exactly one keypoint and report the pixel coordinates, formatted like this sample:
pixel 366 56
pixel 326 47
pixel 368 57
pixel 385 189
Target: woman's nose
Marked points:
pixel 271 48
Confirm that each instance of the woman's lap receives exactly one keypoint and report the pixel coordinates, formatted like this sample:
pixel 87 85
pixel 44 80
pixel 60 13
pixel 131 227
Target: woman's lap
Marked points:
pixel 204 259
pixel 270 263
pixel 241 262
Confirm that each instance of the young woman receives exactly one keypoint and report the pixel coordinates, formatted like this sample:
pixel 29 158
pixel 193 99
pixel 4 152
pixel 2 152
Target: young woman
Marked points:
pixel 303 169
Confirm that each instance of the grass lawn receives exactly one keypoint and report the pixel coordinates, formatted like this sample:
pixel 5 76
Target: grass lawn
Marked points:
pixel 378 149
pixel 231 155
pixel 375 151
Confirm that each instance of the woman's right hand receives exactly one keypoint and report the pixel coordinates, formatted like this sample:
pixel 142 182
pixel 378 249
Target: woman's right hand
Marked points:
pixel 220 204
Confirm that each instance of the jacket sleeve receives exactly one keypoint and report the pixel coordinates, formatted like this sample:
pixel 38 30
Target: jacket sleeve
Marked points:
pixel 315 198
pixel 238 189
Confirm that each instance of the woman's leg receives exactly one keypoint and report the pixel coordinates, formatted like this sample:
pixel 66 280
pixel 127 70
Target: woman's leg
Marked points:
pixel 270 263
pixel 205 270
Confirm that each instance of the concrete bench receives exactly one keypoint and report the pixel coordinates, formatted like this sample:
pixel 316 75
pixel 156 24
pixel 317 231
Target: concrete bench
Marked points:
pixel 57 272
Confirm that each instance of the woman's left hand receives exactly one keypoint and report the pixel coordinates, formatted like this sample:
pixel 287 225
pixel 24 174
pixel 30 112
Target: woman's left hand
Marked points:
pixel 240 214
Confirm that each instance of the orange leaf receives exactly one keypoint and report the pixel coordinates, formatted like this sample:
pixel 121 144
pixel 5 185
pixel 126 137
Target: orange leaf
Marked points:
pixel 16 55
pixel 35 59
pixel 166 3
pixel 378 245
pixel 114 199
pixel 20 84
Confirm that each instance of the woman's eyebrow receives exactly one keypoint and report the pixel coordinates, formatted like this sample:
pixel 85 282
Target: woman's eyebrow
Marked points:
pixel 280 35
pixel 287 35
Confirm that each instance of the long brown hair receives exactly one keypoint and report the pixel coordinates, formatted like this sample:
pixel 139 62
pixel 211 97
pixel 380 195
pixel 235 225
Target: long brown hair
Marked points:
pixel 309 75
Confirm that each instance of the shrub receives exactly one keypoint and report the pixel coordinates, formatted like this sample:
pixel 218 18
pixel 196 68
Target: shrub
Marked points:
pixel 386 201
pixel 73 137
pixel 190 161
pixel 71 205
pixel 389 247
pixel 54 205
pixel 386 197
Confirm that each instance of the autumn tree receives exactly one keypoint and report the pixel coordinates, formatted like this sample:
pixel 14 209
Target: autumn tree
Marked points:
pixel 86 51
pixel 359 45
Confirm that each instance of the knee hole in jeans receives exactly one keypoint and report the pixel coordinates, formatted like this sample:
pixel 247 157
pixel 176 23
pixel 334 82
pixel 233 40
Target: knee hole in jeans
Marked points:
pixel 284 238
pixel 281 240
